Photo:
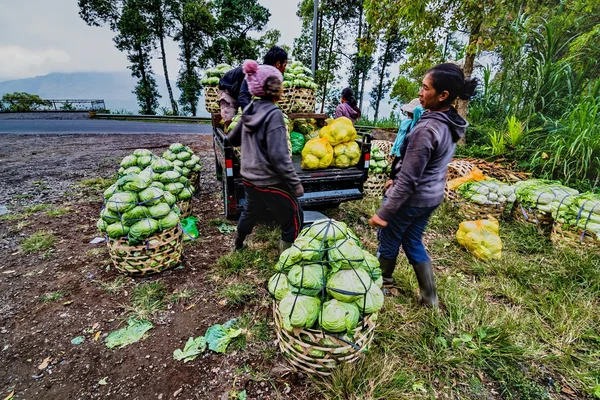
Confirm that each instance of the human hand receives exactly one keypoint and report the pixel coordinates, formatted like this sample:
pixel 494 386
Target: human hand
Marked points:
pixel 388 183
pixel 298 191
pixel 377 222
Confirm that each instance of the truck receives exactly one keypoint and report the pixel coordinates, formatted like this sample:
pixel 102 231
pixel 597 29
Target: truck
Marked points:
pixel 327 187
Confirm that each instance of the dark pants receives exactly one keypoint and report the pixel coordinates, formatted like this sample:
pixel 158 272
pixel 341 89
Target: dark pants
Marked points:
pixel 406 228
pixel 278 202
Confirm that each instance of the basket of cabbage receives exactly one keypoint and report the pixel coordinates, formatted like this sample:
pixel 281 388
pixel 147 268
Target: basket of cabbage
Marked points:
pixel 484 199
pixel 211 87
pixel 298 89
pixel 579 222
pixel 379 168
pixel 327 293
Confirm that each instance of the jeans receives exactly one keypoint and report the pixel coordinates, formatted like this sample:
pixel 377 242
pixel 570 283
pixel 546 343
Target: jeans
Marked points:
pixel 406 228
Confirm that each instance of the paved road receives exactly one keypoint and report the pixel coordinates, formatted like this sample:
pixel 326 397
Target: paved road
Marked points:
pixel 24 127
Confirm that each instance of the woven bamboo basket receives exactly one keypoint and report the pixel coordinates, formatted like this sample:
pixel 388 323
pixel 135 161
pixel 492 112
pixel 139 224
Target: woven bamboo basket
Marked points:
pixel 385 147
pixel 542 220
pixel 297 100
pixel 160 252
pixel 474 211
pixel 211 99
pixel 456 169
pixel 193 178
pixel 374 186
pixel 185 207
pixel 562 234
pixel 299 346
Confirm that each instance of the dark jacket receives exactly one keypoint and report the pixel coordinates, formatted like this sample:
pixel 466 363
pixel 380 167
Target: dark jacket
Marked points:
pixel 263 137
pixel 235 83
pixel 345 110
pixel 420 176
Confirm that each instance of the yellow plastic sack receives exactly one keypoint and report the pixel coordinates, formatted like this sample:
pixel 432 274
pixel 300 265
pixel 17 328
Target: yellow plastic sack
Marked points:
pixel 317 154
pixel 346 155
pixel 475 175
pixel 481 238
pixel 341 130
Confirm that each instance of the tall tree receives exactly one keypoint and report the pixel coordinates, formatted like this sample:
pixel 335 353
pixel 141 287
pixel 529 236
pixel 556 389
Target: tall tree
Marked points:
pixel 194 28
pixel 161 23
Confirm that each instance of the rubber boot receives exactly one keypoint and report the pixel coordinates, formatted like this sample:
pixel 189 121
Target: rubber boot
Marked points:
pixel 387 269
pixel 239 243
pixel 426 280
pixel 283 245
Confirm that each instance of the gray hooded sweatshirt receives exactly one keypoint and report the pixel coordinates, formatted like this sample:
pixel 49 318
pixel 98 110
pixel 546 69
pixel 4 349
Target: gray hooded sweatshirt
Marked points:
pixel 420 177
pixel 263 137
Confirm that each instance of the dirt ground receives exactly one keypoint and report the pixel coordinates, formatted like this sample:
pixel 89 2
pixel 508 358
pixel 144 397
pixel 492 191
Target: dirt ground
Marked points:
pixel 49 169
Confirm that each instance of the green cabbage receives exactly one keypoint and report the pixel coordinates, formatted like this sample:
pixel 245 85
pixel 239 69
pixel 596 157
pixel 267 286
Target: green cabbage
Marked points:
pixel 192 161
pixel 183 179
pixel 157 184
pixel 178 163
pixel 169 155
pixel 337 316
pixel 345 254
pixel 303 249
pixel 326 230
pixel 348 285
pixel 371 265
pixel 134 215
pixel 372 302
pixel 168 222
pixel 109 216
pixel 151 196
pixel 183 156
pixel 186 193
pixel 121 202
pixel 101 224
pixel 116 230
pixel 176 148
pixel 299 311
pixel 278 286
pixel 133 183
pixel 197 167
pixel 169 198
pixel 161 165
pixel 143 229
pixel 129 161
pixel 310 277
pixel 112 189
pixel 174 188
pixel 131 171
pixel 142 153
pixel 169 176
pixel 144 161
pixel 159 210
pixel 185 171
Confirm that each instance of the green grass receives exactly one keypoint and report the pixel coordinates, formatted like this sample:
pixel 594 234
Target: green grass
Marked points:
pixel 13 217
pixel 97 183
pixel 52 296
pixel 237 262
pixel 58 212
pixel 39 241
pixel 37 208
pixel 237 294
pixel 114 286
pixel 182 296
pixel 146 300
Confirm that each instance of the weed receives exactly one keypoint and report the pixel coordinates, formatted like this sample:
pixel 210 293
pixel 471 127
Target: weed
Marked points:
pixel 182 296
pixel 113 286
pixel 37 208
pixel 239 261
pixel 237 294
pixel 13 217
pixel 52 296
pixel 19 227
pixel 147 299
pixel 41 240
pixel 58 212
pixel 97 183
pixel 23 196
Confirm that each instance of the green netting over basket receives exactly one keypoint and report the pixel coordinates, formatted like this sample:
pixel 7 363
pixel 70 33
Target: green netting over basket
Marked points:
pixel 325 283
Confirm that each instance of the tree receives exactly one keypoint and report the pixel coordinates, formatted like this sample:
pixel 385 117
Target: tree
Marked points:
pixel 22 102
pixel 194 28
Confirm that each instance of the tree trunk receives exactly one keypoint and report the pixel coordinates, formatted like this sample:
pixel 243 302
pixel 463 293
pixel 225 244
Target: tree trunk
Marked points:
pixel 362 84
pixel 462 106
pixel 328 65
pixel 385 58
pixel 167 81
pixel 148 108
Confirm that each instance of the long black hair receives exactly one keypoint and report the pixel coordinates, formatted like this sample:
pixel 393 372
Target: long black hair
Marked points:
pixel 451 78
pixel 348 95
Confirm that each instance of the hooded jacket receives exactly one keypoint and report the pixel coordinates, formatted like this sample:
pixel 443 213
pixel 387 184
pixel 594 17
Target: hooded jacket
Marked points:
pixel 235 84
pixel 345 110
pixel 419 178
pixel 263 137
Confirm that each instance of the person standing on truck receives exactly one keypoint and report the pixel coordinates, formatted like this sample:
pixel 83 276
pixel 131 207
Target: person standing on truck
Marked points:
pixel 349 107
pixel 234 93
pixel 269 177
pixel 419 179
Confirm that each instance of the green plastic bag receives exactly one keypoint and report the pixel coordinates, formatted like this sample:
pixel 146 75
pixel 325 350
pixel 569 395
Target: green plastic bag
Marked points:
pixel 297 140
pixel 190 232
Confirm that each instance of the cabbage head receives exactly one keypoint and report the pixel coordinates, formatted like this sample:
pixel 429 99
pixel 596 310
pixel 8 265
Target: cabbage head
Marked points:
pixel 185 171
pixel 337 316
pixel 178 164
pixel 134 215
pixel 151 196
pixel 169 155
pixel 129 161
pixel 299 311
pixel 112 189
pixel 317 154
pixel 371 265
pixel 348 285
pixel 169 176
pixel 303 249
pixel 142 153
pixel 184 156
pixel 176 148
pixel 174 188
pixel 159 210
pixel 346 155
pixel 327 231
pixel 372 302
pixel 143 229
pixel 133 183
pixel 157 184
pixel 161 165
pixel 121 202
pixel 170 221
pixel 345 254
pixel 109 216
pixel 197 167
pixel 169 198
pixel 192 161
pixel 144 161
pixel 310 277
pixel 183 179
pixel 278 286
pixel 186 193
pixel 101 224
pixel 117 230
pixel 131 171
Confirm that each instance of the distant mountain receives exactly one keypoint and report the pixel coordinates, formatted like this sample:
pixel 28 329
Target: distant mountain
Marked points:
pixel 114 87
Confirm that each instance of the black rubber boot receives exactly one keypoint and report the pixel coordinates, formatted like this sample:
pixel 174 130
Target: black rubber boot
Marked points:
pixel 283 245
pixel 387 269
pixel 239 244
pixel 426 280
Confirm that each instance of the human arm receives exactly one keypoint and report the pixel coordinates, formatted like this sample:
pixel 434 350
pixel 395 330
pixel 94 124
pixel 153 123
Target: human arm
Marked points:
pixel 244 97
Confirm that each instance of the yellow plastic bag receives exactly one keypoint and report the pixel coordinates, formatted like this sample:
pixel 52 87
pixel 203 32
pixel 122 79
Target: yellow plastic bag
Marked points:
pixel 341 130
pixel 317 154
pixel 481 238
pixel 475 175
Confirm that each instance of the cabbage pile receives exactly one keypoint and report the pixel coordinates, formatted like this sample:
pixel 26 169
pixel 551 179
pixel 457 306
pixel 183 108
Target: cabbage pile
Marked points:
pixel 298 76
pixel 214 75
pixel 582 212
pixel 136 162
pixel 487 192
pixel 183 157
pixel 546 196
pixel 326 280
pixel 378 163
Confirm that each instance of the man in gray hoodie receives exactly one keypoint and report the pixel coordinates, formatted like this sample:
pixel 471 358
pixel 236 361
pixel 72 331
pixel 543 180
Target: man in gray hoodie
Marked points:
pixel 270 179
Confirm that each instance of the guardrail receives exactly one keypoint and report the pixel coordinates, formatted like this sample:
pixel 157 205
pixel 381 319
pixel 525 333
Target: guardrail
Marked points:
pixel 26 105
pixel 137 117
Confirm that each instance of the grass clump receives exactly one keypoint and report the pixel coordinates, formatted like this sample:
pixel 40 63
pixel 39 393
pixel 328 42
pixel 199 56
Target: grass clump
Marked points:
pixel 237 294
pixel 52 296
pixel 147 299
pixel 39 241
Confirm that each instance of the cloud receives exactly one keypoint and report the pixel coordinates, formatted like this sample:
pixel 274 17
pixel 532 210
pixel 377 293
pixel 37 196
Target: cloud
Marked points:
pixel 19 61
